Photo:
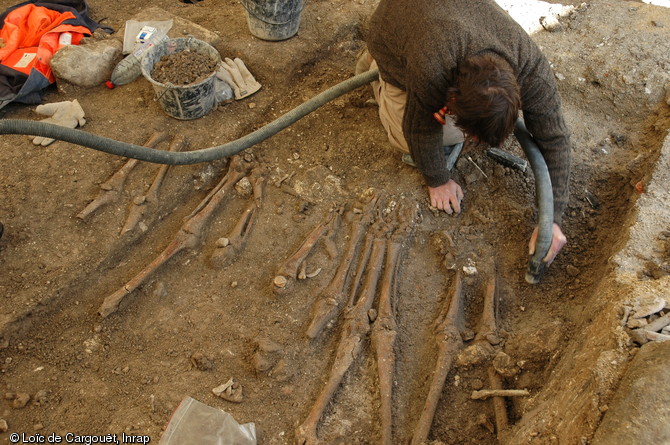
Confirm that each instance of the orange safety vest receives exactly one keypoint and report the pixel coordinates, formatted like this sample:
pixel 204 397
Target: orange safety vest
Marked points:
pixel 30 36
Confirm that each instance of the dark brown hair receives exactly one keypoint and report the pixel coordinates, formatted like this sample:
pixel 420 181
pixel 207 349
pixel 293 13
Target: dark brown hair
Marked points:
pixel 485 101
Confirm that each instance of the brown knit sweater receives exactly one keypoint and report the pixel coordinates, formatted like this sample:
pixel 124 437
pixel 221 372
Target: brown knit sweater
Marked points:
pixel 418 45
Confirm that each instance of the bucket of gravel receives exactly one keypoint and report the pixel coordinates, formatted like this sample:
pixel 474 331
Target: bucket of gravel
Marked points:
pixel 182 72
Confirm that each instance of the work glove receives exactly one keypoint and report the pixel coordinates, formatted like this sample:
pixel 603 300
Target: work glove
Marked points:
pixel 236 74
pixel 66 114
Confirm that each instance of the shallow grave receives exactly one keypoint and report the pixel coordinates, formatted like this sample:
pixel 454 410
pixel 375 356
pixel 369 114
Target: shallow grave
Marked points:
pixel 228 297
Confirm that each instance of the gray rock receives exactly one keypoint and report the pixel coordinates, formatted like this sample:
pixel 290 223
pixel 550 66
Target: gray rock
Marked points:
pixel 87 65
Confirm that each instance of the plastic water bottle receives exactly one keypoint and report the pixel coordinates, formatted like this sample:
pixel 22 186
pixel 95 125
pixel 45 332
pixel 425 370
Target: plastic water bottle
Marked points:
pixel 129 68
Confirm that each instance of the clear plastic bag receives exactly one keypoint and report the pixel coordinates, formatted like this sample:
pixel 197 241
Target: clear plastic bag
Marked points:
pixel 194 423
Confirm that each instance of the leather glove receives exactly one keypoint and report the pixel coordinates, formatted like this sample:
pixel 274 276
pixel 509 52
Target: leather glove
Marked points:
pixel 66 114
pixel 236 74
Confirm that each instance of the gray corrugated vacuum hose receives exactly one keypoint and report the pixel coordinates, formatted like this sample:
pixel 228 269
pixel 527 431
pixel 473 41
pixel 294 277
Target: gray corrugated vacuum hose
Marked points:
pixel 545 202
pixel 79 137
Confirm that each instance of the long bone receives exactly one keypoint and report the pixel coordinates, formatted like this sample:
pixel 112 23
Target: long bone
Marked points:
pixel 361 267
pixel 246 157
pixel 499 408
pixel 487 331
pixel 449 326
pixel 238 236
pixel 384 329
pixel 143 204
pixel 327 305
pixel 111 189
pixel 356 325
pixel 188 236
pixel 288 271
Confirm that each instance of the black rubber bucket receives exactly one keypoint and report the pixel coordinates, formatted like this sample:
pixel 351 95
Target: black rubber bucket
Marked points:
pixel 189 101
pixel 273 19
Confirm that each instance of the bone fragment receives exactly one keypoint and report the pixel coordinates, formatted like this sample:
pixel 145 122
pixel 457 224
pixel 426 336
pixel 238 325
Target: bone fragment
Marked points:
pixel 247 158
pixel 303 271
pixel 223 256
pixel 656 336
pixel 364 257
pixel 149 201
pixel 659 323
pixel 279 281
pixel 331 247
pixel 231 391
pixel 486 393
pixel 481 349
pixel 484 422
pixel 649 305
pixel 286 178
pixel 111 189
pixel 188 236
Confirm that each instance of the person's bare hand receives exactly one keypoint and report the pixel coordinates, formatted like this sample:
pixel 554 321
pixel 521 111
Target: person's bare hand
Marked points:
pixel 558 240
pixel 446 197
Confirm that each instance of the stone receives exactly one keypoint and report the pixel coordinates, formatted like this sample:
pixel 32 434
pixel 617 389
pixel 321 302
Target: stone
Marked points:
pixel 180 26
pixel 88 65
pixel 21 400
pixel 201 361
pixel 504 365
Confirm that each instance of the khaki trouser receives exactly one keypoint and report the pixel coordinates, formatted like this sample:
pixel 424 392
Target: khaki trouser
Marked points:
pixel 392 102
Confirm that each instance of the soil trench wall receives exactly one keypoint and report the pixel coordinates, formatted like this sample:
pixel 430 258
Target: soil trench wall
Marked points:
pixel 586 384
